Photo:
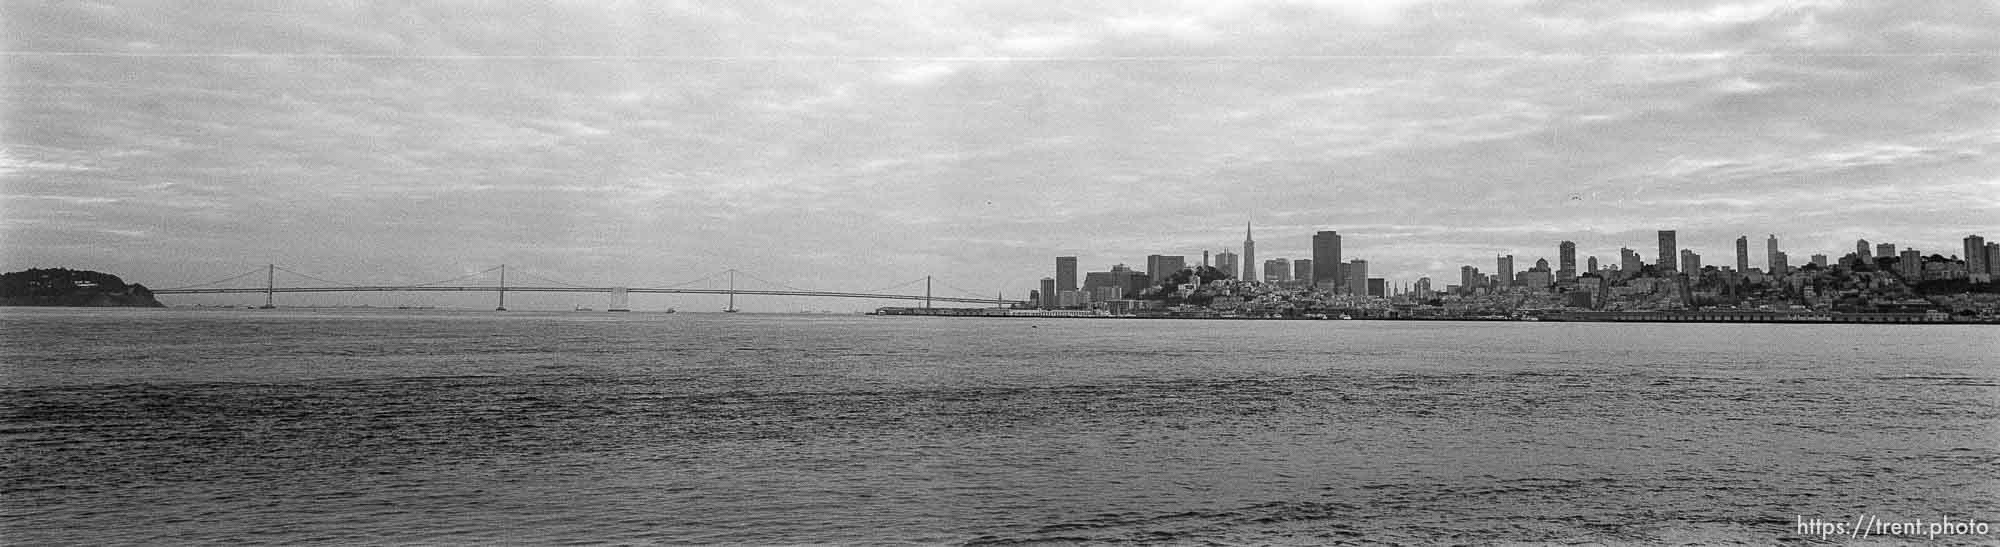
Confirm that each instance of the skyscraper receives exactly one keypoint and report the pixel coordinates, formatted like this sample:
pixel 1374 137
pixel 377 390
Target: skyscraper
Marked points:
pixel 1992 256
pixel 1976 259
pixel 1670 252
pixel 1885 249
pixel 1743 253
pixel 1378 286
pixel 1302 271
pixel 1465 275
pixel 1592 265
pixel 1226 261
pixel 1565 261
pixel 1690 262
pixel 1771 254
pixel 1161 267
pixel 1862 251
pixel 1357 276
pixel 1326 259
pixel 1911 265
pixel 1065 273
pixel 1048 293
pixel 1819 260
pixel 1628 261
pixel 1277 270
pixel 1506 271
pixel 1249 255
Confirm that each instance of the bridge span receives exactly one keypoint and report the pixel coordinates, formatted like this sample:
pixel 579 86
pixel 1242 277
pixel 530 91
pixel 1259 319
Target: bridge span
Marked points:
pixel 270 289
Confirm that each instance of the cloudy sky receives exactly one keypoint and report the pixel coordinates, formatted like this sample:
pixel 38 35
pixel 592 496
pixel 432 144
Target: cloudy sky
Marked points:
pixel 853 145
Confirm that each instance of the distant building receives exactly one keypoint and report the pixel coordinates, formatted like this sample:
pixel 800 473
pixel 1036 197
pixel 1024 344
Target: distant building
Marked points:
pixel 1226 261
pixel 1566 261
pixel 1326 259
pixel 1048 293
pixel 1592 267
pixel 1992 255
pixel 1690 262
pixel 1357 276
pixel 1423 288
pixel 1249 255
pixel 1670 251
pixel 1377 286
pixel 1862 251
pixel 1885 249
pixel 1628 261
pixel 1783 265
pixel 1771 255
pixel 1743 253
pixel 1302 271
pixel 1536 279
pixel 1911 265
pixel 1164 266
pixel 1977 259
pixel 1505 271
pixel 1465 276
pixel 1277 270
pixel 1065 273
pixel 1819 260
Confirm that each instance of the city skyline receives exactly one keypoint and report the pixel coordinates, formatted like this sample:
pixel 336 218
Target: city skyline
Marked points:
pixel 825 145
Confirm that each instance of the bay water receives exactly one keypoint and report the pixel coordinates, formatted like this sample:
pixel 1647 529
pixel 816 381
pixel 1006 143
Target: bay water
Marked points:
pixel 122 426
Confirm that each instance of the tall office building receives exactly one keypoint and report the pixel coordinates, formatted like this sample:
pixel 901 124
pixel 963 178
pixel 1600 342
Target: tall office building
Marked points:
pixel 1423 287
pixel 1226 261
pixel 1992 256
pixel 1911 265
pixel 1690 262
pixel 1048 293
pixel 1771 254
pixel 1819 260
pixel 1465 275
pixel 1670 252
pixel 1357 276
pixel 1277 270
pixel 1161 267
pixel 1378 286
pixel 1628 261
pixel 1565 261
pixel 1861 251
pixel 1249 255
pixel 1065 273
pixel 1302 271
pixel 1506 271
pixel 1743 253
pixel 1977 259
pixel 1592 265
pixel 1326 259
pixel 1885 249
pixel 1784 264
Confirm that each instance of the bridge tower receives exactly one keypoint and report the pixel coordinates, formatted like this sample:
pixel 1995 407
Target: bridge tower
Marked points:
pixel 927 292
pixel 270 285
pixel 503 289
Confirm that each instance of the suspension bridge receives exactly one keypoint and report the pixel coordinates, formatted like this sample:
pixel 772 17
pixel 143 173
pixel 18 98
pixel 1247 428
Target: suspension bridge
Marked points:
pixel 466 283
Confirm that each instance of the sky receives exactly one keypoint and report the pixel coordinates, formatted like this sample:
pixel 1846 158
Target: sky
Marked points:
pixel 856 145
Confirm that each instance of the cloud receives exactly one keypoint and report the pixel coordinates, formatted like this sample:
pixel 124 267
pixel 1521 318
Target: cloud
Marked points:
pixel 650 140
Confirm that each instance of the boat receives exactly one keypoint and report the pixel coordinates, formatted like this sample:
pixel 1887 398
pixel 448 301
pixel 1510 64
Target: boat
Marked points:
pixel 581 308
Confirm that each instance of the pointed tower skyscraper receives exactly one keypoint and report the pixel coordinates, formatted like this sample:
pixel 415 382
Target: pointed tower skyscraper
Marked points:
pixel 1249 255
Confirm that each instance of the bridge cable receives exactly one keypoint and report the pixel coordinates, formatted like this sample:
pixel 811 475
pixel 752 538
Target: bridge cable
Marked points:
pixel 470 275
pixel 217 282
pixel 710 276
pixel 319 279
pixel 540 278
pixel 896 286
pixel 770 282
pixel 949 286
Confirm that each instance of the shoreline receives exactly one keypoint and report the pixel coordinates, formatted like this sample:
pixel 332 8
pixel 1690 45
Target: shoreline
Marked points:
pixel 1729 317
